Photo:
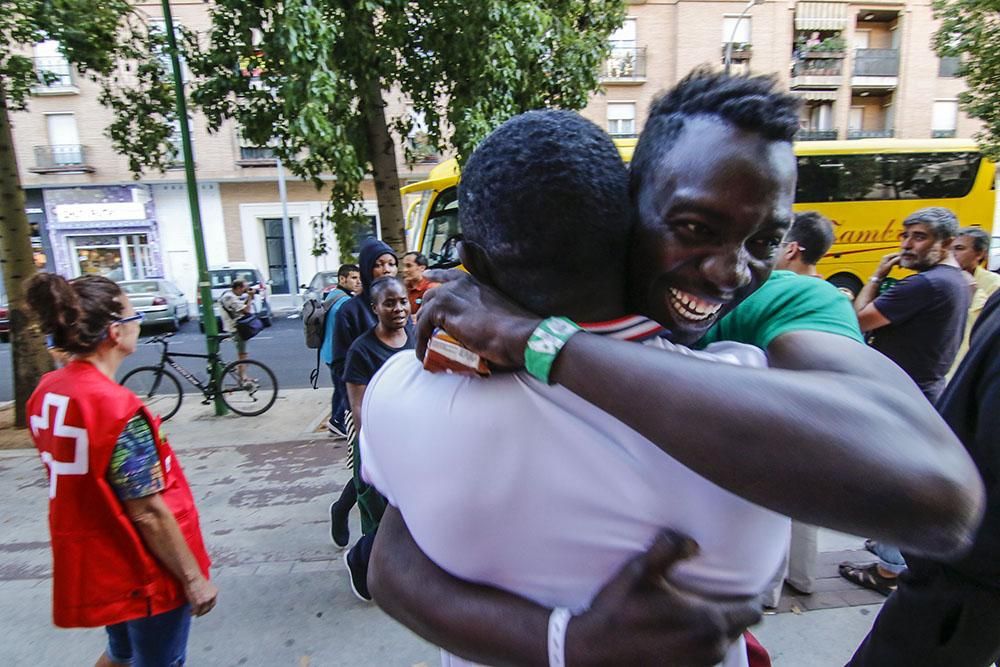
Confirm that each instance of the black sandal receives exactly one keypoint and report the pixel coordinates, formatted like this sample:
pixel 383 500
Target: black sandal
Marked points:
pixel 868 577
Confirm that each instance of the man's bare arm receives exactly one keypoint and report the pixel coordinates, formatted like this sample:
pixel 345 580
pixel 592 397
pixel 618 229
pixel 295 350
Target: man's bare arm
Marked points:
pixel 823 445
pixel 636 619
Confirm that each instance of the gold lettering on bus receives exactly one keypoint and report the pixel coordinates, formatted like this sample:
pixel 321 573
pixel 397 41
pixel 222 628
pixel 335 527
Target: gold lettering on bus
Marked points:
pixel 887 234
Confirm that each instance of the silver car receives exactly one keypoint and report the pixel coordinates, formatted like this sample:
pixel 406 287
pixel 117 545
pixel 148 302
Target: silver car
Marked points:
pixel 160 302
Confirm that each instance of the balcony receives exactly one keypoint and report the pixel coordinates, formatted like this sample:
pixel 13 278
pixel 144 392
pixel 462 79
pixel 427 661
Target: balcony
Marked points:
pixel 818 69
pixel 741 51
pixel 625 65
pixel 256 156
pixel 870 134
pixel 55 77
pixel 61 159
pixel 876 68
pixel 816 135
pixel 942 134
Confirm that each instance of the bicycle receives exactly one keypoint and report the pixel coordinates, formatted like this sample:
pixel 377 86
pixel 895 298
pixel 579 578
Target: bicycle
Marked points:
pixel 247 387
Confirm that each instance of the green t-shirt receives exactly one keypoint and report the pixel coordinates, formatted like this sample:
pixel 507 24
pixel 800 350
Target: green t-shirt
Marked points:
pixel 787 302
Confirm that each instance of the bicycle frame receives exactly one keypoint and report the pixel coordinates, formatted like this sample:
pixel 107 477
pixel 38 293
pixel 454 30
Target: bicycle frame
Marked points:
pixel 167 358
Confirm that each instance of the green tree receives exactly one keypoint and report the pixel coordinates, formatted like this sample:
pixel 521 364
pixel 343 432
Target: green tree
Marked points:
pixel 970 30
pixel 107 42
pixel 310 78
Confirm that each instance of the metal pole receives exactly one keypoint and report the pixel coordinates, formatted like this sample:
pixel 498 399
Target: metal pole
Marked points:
pixel 728 60
pixel 204 286
pixel 286 233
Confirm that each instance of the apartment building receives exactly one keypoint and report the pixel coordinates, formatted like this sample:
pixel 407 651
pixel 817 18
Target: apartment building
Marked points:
pixel 89 216
pixel 862 69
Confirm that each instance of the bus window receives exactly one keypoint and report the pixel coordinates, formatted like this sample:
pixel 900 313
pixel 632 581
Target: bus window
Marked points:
pixel 936 175
pixel 440 239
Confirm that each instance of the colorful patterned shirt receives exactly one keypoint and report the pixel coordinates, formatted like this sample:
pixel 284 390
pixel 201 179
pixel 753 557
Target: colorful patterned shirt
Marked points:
pixel 135 470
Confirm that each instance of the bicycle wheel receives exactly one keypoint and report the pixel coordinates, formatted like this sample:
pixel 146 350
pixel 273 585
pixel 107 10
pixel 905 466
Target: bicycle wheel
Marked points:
pixel 248 387
pixel 158 389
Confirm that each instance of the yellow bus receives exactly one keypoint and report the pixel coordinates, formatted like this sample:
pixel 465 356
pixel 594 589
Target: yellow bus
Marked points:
pixel 867 187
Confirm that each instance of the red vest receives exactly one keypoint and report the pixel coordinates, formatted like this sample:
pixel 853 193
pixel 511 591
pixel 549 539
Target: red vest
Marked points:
pixel 102 571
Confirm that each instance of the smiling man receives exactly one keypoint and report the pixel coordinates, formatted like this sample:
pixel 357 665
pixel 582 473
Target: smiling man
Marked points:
pixel 713 178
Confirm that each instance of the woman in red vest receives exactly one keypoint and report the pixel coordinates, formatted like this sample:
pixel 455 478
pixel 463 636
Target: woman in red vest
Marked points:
pixel 126 544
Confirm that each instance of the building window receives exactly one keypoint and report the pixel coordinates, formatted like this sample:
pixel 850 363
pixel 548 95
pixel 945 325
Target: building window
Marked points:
pixel 624 37
pixel 948 66
pixel 735 29
pixel 621 119
pixel 53 70
pixel 944 118
pixel 64 140
pixel 159 27
pixel 116 257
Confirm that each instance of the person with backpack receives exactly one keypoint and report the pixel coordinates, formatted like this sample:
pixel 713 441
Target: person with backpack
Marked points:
pixel 319 318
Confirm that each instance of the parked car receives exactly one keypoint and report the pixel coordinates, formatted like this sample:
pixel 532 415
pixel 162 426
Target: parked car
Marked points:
pixel 4 324
pixel 321 283
pixel 221 278
pixel 159 300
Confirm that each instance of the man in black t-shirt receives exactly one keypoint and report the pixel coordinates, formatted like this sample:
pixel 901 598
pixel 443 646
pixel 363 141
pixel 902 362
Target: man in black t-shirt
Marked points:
pixel 948 613
pixel 367 354
pixel 918 323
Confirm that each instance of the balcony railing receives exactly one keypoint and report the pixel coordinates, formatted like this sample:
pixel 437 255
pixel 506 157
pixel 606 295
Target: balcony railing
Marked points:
pixel 942 134
pixel 257 156
pixel 870 134
pixel 62 157
pixel 816 135
pixel 53 72
pixel 625 64
pixel 817 66
pixel 876 62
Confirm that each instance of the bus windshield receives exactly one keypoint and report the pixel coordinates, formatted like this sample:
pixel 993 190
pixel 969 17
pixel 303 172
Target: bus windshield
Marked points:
pixel 441 237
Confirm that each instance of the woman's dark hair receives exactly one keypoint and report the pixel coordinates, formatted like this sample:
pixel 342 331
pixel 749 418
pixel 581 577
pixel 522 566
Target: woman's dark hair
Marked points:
pixel 76 313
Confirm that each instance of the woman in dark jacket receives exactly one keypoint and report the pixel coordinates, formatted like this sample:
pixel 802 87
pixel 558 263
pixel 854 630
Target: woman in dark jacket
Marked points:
pixel 375 259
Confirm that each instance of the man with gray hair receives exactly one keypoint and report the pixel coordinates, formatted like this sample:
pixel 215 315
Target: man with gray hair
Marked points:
pixel 971 249
pixel 918 323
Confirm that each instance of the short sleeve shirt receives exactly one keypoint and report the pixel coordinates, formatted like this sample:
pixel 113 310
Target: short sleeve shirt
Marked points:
pixel 787 302
pixel 926 313
pixel 232 309
pixel 135 470
pixel 367 354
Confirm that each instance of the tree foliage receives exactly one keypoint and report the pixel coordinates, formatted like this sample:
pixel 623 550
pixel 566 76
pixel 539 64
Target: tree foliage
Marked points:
pixel 107 42
pixel 970 30
pixel 308 78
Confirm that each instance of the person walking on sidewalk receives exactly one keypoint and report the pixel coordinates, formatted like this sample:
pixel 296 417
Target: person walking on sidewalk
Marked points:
pixel 127 548
pixel 367 355
pixel 348 284
pixel 234 303
pixel 376 260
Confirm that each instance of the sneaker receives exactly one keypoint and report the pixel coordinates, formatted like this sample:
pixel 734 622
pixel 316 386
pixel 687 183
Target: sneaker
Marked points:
pixel 358 576
pixel 340 531
pixel 335 429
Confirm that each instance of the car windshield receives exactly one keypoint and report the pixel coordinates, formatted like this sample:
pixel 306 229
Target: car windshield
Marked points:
pixel 323 280
pixel 144 287
pixel 225 277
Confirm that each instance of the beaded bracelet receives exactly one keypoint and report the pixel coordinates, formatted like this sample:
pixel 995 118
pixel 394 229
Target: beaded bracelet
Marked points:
pixel 544 345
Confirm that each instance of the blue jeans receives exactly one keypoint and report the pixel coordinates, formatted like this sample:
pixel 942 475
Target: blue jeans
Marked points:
pixel 890 557
pixel 153 641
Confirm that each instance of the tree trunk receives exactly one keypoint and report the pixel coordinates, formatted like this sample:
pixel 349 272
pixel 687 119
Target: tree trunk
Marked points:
pixel 30 358
pixel 385 171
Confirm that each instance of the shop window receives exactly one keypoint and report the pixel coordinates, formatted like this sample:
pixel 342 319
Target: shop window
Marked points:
pixel 116 257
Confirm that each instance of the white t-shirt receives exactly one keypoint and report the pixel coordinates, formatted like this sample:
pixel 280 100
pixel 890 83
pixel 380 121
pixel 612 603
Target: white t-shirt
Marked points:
pixel 529 488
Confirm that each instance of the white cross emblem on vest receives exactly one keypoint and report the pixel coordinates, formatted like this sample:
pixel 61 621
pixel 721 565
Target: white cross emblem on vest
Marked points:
pixel 80 463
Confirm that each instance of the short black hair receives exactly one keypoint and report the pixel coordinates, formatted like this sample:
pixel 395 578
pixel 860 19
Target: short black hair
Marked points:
pixel 980 239
pixel 813 232
pixel 752 103
pixel 382 284
pixel 941 221
pixel 419 258
pixel 239 282
pixel 545 195
pixel 347 269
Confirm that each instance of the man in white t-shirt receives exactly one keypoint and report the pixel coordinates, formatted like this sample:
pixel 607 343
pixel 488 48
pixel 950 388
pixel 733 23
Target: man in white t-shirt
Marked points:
pixel 511 482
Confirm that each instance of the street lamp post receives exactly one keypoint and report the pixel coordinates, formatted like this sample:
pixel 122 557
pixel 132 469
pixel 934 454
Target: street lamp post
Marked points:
pixel 728 60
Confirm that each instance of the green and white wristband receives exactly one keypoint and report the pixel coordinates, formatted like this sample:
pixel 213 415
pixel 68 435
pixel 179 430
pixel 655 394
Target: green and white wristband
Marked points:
pixel 544 345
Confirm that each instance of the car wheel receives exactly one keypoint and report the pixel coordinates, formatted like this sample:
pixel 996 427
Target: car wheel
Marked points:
pixel 174 324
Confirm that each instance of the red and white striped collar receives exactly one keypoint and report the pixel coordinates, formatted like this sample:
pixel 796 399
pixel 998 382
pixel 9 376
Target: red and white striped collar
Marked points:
pixel 631 327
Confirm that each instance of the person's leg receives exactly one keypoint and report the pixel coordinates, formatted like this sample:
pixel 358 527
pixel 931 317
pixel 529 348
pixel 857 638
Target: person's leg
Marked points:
pixel 340 511
pixel 371 503
pixel 161 640
pixel 890 559
pixel 356 559
pixel 241 352
pixel 119 650
pixel 802 556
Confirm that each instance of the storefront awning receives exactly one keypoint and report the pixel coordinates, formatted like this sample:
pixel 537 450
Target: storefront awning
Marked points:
pixel 816 95
pixel 821 15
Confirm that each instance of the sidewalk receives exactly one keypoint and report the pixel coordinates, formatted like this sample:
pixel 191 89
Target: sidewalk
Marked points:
pixel 263 485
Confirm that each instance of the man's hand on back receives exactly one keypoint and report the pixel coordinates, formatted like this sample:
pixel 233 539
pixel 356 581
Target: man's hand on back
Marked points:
pixel 640 618
pixel 478 316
